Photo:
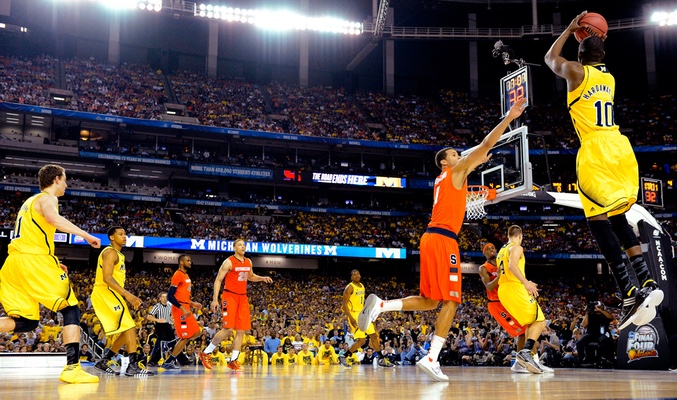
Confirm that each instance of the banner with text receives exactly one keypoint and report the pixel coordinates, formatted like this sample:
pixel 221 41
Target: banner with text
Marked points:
pixel 235 172
pixel 151 242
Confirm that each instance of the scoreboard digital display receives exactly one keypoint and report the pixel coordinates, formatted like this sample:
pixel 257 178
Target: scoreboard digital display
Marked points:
pixel 652 192
pixel 514 86
pixel 359 180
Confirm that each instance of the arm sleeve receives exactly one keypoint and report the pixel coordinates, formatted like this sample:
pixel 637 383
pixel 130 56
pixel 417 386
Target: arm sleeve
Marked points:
pixel 171 298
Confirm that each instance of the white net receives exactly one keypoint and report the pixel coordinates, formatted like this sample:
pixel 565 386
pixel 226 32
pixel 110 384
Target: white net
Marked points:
pixel 475 199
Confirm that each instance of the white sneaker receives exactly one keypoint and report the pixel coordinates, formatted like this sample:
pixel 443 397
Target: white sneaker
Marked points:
pixel 369 313
pixel 525 359
pixel 544 368
pixel 516 367
pixel 432 368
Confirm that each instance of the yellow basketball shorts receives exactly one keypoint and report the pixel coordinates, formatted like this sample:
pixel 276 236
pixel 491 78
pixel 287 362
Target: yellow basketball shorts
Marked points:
pixel 358 334
pixel 519 303
pixel 28 280
pixel 608 175
pixel 112 310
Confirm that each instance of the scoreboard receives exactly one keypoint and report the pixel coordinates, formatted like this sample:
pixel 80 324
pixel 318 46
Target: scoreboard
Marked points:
pixel 652 192
pixel 514 86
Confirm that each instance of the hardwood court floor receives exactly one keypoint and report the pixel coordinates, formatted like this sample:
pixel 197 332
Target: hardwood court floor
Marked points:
pixel 332 382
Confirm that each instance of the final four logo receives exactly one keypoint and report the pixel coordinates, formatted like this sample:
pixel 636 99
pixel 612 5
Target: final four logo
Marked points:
pixel 642 343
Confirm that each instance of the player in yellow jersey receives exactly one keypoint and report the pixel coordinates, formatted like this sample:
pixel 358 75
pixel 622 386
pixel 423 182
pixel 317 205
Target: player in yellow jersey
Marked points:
pixel 518 295
pixel 109 300
pixel 353 303
pixel 32 274
pixel 608 177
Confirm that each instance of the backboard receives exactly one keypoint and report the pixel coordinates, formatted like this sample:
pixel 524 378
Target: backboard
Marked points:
pixel 509 170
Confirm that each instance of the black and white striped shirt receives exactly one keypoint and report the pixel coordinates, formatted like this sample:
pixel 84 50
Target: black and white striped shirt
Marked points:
pixel 160 311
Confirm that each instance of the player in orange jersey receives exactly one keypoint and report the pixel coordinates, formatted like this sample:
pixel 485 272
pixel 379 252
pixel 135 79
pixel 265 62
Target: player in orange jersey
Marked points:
pixel 237 271
pixel 184 321
pixel 440 280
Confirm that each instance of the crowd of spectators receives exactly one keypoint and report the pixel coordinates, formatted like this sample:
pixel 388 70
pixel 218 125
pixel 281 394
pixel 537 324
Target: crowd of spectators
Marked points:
pixel 451 117
pixel 222 103
pixel 304 309
pixel 26 80
pixel 126 90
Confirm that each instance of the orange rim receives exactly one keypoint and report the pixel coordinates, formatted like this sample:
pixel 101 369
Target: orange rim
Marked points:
pixel 491 193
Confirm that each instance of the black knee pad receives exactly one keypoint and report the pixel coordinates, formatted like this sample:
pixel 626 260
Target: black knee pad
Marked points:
pixel 71 315
pixel 24 325
pixel 623 231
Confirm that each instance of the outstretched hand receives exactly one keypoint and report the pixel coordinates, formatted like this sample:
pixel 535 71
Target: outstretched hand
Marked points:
pixel 517 108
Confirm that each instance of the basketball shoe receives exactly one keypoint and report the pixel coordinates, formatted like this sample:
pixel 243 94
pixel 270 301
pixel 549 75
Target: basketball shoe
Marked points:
pixel 235 366
pixel 135 370
pixel 641 309
pixel 525 360
pixel 432 369
pixel 385 362
pixel 371 310
pixel 171 365
pixel 75 374
pixel 544 368
pixel 101 365
pixel 206 360
pixel 343 362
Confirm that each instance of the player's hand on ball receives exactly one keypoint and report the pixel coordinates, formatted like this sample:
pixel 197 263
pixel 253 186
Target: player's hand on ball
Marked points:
pixel 573 26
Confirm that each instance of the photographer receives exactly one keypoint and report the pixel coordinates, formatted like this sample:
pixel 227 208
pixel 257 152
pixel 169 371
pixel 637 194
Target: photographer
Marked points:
pixel 550 346
pixel 596 322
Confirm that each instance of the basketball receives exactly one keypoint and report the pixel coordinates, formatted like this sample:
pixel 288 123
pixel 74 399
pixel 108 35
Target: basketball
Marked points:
pixel 591 24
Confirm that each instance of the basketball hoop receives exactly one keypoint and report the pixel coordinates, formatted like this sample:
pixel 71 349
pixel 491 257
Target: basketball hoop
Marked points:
pixel 475 198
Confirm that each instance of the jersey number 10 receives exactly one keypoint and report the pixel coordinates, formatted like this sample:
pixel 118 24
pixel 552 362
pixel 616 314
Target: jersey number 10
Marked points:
pixel 605 113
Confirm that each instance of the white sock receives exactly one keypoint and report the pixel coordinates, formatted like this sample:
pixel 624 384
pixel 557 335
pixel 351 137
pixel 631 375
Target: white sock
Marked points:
pixel 210 348
pixel 124 363
pixel 436 347
pixel 391 305
pixel 233 356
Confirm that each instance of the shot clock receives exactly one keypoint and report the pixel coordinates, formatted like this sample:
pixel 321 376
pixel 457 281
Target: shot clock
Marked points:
pixel 514 86
pixel 652 192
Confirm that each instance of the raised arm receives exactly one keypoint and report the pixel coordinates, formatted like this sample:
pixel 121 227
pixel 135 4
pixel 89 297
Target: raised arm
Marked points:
pixel 480 153
pixel 572 71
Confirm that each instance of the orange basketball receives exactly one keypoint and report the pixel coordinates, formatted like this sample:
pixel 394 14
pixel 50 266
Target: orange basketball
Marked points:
pixel 591 24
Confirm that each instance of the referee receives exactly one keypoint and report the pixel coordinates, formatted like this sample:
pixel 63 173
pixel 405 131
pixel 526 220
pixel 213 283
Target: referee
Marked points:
pixel 161 315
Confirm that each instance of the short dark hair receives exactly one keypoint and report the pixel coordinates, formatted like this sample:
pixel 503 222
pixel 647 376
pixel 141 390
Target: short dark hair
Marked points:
pixel 112 229
pixel 48 173
pixel 591 50
pixel 353 271
pixel 182 257
pixel 514 230
pixel 441 155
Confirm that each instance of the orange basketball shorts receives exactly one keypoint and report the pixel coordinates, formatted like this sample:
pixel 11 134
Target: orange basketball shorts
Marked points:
pixel 235 309
pixel 440 268
pixel 504 318
pixel 186 325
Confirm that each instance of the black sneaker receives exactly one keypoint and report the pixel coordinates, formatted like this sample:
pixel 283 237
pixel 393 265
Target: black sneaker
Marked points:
pixel 525 359
pixel 101 365
pixel 343 362
pixel 134 370
pixel 151 364
pixel 628 311
pixel 384 362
